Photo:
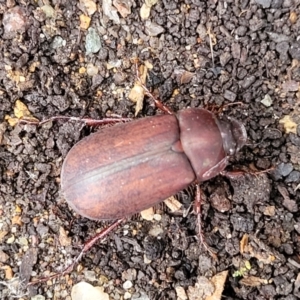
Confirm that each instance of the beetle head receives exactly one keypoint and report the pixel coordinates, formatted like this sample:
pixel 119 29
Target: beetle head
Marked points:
pixel 233 133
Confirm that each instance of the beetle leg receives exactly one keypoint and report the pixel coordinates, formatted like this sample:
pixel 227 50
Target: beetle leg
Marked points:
pixel 88 244
pixel 198 202
pixel 237 173
pixel 86 121
pixel 147 92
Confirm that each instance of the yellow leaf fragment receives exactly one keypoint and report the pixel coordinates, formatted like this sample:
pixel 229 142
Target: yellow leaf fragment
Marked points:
pixel 18 209
pixel 288 124
pixel 11 121
pixel 293 17
pixel 21 110
pixel 84 21
pixel 82 70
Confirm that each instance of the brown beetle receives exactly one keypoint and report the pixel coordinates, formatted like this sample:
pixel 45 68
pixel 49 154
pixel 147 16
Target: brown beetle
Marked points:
pixel 121 170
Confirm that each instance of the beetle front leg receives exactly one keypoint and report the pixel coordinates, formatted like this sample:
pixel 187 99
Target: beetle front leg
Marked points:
pixel 238 173
pixel 198 202
pixel 147 92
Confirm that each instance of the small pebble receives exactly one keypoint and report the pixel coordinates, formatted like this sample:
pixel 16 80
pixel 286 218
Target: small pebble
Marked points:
pixel 294 176
pixel 92 41
pixel 267 101
pixel 85 291
pixel 295 50
pixel 58 42
pixel 3 256
pixel 38 297
pixel 91 70
pixel 14 20
pixel 284 169
pixel 229 95
pixel 152 29
pixel 264 3
pixel 127 284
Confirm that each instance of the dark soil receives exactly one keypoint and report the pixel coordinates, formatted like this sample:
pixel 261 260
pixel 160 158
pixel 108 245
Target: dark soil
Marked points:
pixel 256 53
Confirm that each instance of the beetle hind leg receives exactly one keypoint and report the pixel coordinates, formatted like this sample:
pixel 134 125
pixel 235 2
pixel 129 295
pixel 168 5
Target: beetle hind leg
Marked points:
pixel 198 202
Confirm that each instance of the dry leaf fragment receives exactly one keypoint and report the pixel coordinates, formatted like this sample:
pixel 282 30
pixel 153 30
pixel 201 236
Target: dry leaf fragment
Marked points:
pixel 269 211
pixel 148 214
pixel 290 86
pixel 183 76
pixel 253 281
pixel 110 11
pixel 21 110
pixel 2 235
pixel 16 220
pixel 289 204
pixel 173 204
pixel 84 290
pixel 218 280
pixel 151 2
pixel 244 243
pixel 146 9
pixel 8 272
pixel 212 36
pixel 137 92
pixel 88 6
pixel 203 287
pixel 262 257
pixel 137 95
pixel 288 124
pixel 181 294
pixel 64 240
pixel 3 257
pixel 123 7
